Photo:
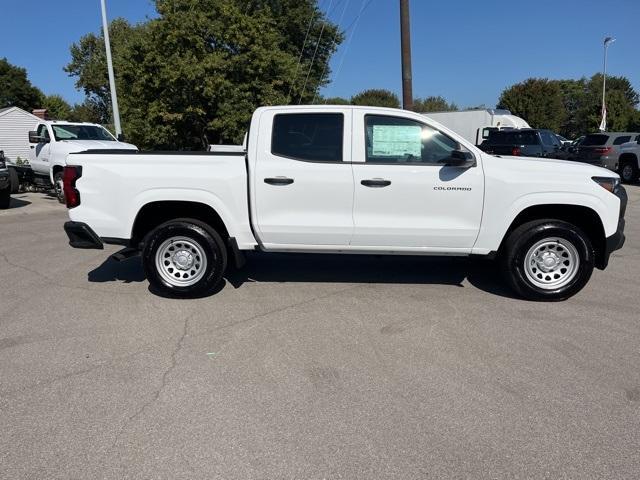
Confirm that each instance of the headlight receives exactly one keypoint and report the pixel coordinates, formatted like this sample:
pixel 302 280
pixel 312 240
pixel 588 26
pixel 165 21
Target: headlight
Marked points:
pixel 610 184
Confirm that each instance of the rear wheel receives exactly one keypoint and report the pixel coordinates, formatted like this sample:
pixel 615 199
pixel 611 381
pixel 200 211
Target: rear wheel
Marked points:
pixel 184 258
pixel 58 186
pixel 628 171
pixel 547 260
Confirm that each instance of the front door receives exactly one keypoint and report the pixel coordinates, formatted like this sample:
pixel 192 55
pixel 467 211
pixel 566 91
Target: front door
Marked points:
pixel 303 181
pixel 40 152
pixel 404 196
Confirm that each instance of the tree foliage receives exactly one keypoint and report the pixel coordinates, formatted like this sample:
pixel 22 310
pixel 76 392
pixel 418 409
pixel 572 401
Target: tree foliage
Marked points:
pixel 15 88
pixel 537 100
pixel 194 75
pixel 574 107
pixel 57 107
pixel 433 104
pixel 376 98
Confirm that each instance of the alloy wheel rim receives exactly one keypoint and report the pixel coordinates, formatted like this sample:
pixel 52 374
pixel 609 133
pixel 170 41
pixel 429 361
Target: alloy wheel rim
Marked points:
pixel 181 261
pixel 551 263
pixel 627 172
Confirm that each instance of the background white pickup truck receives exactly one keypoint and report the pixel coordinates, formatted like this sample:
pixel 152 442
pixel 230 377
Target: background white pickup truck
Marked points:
pixel 347 179
pixel 53 140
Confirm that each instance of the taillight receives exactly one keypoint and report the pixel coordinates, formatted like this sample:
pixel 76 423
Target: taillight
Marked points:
pixel 69 178
pixel 603 150
pixel 515 151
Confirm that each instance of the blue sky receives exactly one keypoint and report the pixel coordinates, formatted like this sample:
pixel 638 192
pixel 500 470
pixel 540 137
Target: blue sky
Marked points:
pixel 465 50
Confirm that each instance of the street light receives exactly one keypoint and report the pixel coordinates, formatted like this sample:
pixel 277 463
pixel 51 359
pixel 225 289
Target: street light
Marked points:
pixel 603 124
pixel 112 81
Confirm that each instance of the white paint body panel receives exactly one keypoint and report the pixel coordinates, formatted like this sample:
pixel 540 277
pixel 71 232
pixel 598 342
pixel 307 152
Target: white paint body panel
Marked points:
pixel 326 209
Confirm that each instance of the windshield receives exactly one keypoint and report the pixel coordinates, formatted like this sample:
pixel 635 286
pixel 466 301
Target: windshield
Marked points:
pixel 81 132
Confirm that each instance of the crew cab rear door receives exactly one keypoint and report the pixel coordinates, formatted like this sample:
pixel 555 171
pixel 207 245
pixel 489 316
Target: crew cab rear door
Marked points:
pixel 302 180
pixel 405 197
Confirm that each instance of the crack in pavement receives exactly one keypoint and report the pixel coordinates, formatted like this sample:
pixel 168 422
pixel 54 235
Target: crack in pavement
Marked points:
pixel 163 383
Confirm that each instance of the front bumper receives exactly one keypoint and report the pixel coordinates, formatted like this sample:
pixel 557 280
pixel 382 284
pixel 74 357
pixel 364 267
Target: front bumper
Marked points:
pixel 616 241
pixel 82 236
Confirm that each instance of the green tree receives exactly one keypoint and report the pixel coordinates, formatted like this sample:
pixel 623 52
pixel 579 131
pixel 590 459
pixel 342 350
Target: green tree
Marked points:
pixel 621 100
pixel 194 75
pixel 57 107
pixel 87 111
pixel 433 104
pixel 15 88
pixel 376 98
pixel 537 100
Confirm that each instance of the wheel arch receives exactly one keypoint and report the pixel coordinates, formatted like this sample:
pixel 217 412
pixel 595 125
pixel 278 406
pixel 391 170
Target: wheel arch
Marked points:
pixel 158 212
pixel 583 217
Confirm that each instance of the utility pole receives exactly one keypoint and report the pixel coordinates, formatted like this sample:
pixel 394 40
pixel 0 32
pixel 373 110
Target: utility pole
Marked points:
pixel 405 45
pixel 112 81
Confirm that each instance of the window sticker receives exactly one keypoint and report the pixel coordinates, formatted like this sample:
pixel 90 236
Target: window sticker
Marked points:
pixel 397 140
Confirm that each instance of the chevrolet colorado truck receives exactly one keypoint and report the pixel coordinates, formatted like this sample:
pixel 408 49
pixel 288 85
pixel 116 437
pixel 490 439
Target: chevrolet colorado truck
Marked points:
pixel 53 140
pixel 346 180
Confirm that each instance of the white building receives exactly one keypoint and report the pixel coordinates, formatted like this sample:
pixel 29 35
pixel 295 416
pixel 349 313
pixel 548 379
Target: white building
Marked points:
pixel 15 124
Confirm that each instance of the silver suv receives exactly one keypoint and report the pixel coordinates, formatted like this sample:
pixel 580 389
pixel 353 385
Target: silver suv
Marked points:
pixel 5 184
pixel 603 149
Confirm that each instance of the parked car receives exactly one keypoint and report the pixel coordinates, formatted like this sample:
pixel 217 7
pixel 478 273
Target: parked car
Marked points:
pixel 310 181
pixel 527 142
pixel 5 183
pixel 629 161
pixel 564 141
pixel 603 149
pixel 474 125
pixel 52 141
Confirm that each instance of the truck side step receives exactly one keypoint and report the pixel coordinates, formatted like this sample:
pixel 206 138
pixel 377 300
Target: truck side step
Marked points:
pixel 125 253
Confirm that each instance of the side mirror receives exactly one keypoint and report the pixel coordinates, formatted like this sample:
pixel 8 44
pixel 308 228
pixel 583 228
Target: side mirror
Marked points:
pixel 459 158
pixel 34 138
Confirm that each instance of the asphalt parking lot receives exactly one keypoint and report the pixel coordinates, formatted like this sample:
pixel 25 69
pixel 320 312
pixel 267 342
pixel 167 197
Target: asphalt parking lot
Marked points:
pixel 310 367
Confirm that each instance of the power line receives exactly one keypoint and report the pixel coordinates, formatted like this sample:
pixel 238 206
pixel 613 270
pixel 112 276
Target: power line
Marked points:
pixel 313 59
pixel 354 24
pixel 304 44
pixel 333 44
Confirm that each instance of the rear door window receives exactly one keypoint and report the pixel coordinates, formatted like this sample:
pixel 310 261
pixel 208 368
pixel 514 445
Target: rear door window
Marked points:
pixel 312 137
pixel 594 140
pixel 621 140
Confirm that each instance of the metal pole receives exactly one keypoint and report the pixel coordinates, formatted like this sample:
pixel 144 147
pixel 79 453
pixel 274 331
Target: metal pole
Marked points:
pixel 405 45
pixel 112 81
pixel 604 82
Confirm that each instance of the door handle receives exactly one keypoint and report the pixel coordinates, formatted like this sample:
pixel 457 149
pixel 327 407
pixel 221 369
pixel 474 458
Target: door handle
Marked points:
pixel 376 183
pixel 279 181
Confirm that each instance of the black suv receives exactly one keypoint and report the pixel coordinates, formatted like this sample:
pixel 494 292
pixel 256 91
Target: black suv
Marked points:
pixel 527 142
pixel 5 186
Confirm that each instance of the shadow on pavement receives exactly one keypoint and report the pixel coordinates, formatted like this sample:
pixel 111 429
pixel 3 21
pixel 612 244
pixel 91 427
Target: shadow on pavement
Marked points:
pixel 314 268
pixel 18 203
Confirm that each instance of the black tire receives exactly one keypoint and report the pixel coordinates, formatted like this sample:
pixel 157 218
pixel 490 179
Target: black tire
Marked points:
pixel 57 187
pixel 628 171
pixel 14 180
pixel 525 237
pixel 204 238
pixel 5 198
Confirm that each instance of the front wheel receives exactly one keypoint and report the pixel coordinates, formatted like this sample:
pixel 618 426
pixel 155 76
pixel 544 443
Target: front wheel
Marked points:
pixel 184 258
pixel 58 186
pixel 547 260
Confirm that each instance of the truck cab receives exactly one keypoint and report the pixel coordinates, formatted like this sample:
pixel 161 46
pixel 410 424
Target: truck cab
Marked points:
pixel 53 140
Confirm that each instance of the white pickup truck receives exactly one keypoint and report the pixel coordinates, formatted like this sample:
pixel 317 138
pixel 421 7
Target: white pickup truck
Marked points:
pixel 53 140
pixel 347 179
